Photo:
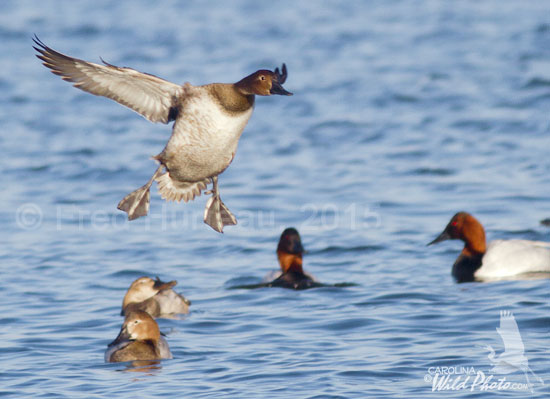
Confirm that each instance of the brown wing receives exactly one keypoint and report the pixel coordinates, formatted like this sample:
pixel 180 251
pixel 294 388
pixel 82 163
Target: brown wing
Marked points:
pixel 135 350
pixel 150 306
pixel 152 97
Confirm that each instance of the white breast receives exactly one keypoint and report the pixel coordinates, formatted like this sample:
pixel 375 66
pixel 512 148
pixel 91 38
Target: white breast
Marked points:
pixel 205 137
pixel 505 258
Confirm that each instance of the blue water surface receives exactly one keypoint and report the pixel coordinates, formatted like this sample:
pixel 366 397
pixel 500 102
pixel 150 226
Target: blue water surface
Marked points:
pixel 403 113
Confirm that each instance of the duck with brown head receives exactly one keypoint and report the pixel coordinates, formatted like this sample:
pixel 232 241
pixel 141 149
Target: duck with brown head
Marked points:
pixel 289 253
pixel 154 297
pixel 139 339
pixel 208 123
pixel 264 83
pixel 501 259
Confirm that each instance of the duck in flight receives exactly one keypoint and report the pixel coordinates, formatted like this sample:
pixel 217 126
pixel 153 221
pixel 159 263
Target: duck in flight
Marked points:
pixel 208 122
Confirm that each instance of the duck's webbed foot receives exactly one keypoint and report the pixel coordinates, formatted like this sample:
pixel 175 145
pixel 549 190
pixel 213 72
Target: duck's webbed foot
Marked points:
pixel 216 214
pixel 136 204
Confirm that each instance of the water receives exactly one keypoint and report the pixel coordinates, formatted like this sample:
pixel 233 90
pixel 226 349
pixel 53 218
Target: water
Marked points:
pixel 403 113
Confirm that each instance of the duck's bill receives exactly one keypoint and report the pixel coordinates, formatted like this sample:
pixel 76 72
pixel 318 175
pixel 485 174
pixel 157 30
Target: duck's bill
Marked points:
pixel 161 285
pixel 276 88
pixel 121 337
pixel 442 237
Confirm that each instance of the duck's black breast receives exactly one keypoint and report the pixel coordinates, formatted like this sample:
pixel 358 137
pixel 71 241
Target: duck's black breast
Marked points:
pixel 295 281
pixel 465 267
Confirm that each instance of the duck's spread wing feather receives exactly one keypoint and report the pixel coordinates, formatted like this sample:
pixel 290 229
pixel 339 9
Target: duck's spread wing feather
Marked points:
pixel 152 97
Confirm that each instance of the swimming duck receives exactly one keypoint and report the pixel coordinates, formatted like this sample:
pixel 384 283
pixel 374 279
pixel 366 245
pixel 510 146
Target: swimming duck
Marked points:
pixel 154 297
pixel 500 259
pixel 289 253
pixel 139 339
pixel 545 222
pixel 208 122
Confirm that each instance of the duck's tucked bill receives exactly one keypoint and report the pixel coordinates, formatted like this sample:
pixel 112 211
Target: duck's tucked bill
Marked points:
pixel 208 123
pixel 154 297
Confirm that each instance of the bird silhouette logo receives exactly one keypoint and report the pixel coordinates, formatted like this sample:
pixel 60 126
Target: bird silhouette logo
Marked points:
pixel 513 358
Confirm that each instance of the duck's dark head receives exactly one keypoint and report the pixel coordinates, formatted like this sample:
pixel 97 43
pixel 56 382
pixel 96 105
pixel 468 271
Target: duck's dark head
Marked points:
pixel 264 83
pixel 290 251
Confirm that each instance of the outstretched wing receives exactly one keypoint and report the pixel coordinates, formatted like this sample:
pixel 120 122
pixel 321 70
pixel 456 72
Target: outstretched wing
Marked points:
pixel 152 97
pixel 509 332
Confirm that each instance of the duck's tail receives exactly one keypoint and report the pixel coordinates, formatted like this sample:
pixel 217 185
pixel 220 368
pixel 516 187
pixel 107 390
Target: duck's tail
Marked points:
pixel 173 190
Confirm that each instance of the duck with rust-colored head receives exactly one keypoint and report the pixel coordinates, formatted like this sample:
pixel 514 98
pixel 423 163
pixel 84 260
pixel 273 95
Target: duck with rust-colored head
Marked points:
pixel 208 122
pixel 138 339
pixel 289 253
pixel 154 297
pixel 500 259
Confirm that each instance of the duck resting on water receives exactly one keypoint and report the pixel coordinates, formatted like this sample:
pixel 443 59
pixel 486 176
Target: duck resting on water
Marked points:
pixel 289 254
pixel 155 297
pixel 496 260
pixel 208 122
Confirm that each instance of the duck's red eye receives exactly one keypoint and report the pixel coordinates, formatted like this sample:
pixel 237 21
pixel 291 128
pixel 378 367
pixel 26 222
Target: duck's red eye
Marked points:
pixel 454 223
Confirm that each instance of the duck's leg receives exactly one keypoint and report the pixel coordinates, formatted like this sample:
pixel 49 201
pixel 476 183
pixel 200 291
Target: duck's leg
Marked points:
pixel 216 214
pixel 136 204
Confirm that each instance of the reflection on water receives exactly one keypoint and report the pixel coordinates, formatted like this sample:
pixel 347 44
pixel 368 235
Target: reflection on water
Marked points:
pixel 519 277
pixel 313 284
pixel 143 366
